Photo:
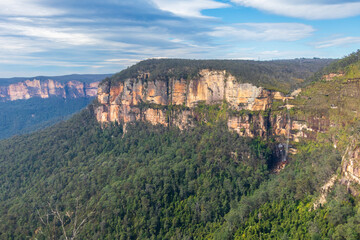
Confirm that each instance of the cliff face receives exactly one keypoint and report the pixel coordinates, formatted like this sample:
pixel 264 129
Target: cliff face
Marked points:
pixel 174 101
pixel 46 89
pixel 249 109
pixel 121 102
pixel 351 164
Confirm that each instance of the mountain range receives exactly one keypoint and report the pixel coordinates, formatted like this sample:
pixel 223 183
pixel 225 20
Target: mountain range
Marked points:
pixel 28 104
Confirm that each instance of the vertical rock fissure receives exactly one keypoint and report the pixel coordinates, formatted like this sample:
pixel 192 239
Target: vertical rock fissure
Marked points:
pixel 169 110
pixel 287 132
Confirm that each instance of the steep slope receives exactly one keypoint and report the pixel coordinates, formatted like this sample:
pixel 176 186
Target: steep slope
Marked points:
pixel 316 195
pixel 70 86
pixel 336 98
pixel 150 182
pixel 25 116
pixel 28 104
pixel 169 92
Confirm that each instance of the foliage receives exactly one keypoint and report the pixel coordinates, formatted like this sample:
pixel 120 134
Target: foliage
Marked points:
pixel 343 63
pixel 282 208
pixel 281 75
pixel 339 66
pixel 24 116
pixel 151 182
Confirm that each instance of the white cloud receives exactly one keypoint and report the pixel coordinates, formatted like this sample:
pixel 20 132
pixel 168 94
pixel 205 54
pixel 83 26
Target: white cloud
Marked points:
pixel 188 8
pixel 121 61
pixel 56 37
pixel 62 35
pixel 337 42
pixel 264 31
pixel 17 46
pixel 271 54
pixel 317 9
pixel 26 8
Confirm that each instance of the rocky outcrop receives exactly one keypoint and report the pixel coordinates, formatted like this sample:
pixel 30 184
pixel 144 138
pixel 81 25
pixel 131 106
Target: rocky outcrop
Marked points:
pixel 211 87
pixel 174 101
pixel 48 88
pixel 332 76
pixel 351 163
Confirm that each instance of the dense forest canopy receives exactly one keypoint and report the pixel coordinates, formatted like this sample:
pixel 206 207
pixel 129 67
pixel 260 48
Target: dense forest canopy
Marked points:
pixel 277 74
pixel 158 183
pixel 155 182
pixel 150 182
pixel 24 116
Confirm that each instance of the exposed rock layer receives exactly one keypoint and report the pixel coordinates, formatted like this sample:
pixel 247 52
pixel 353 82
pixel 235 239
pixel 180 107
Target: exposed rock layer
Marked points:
pixel 174 101
pixel 351 164
pixel 46 89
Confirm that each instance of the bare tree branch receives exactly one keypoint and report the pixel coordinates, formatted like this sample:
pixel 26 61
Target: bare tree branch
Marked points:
pixel 68 220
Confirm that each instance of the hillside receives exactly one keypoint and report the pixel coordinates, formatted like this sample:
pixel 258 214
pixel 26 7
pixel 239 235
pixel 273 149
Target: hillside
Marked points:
pixel 201 157
pixel 25 116
pixel 28 104
pixel 281 75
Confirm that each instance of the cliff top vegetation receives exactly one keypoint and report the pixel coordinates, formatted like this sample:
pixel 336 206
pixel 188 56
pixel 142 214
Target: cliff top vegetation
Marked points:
pixel 282 75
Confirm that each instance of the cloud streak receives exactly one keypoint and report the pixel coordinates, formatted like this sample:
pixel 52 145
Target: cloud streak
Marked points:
pixel 189 8
pixel 27 8
pixel 305 9
pixel 264 31
pixel 338 42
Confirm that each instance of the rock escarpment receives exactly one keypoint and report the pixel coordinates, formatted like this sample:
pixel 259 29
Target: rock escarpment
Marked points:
pixel 173 102
pixel 48 88
pixel 351 164
pixel 330 106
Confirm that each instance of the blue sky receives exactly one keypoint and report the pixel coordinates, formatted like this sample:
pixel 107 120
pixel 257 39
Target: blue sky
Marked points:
pixel 41 37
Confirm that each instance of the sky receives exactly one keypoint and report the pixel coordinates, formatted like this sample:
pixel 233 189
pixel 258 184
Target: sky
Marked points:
pixel 58 37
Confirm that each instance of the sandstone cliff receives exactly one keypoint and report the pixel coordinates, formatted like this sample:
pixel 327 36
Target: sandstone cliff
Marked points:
pixel 175 101
pixel 329 107
pixel 351 164
pixel 249 109
pixel 48 88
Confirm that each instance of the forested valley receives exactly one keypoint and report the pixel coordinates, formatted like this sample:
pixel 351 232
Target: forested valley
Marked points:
pixel 82 180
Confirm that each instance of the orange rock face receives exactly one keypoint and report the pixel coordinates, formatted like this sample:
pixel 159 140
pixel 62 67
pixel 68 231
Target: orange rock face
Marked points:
pixel 351 164
pixel 140 99
pixel 46 89
pixel 155 116
pixel 179 90
pixel 331 76
pixel 211 87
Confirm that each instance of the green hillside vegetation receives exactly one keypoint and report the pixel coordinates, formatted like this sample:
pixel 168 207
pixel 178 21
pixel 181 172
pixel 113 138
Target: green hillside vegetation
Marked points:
pixel 339 66
pixel 79 179
pixel 282 75
pixel 337 100
pixel 151 183
pixel 344 63
pixel 154 182
pixel 24 116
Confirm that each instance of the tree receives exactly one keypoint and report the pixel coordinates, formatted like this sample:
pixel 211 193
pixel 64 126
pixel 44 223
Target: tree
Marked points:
pixel 70 222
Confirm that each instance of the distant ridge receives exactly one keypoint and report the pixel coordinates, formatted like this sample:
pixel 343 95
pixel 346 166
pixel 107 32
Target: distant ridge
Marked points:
pixel 86 78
